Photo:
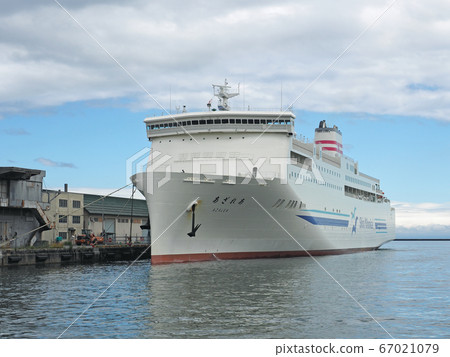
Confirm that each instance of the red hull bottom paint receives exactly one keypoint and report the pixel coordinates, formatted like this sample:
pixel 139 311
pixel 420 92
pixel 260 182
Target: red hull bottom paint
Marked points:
pixel 201 257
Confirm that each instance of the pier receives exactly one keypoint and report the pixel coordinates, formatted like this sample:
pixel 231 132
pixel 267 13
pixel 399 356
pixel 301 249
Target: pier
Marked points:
pixel 83 254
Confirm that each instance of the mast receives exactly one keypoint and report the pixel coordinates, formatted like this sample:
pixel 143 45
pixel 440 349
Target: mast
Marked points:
pixel 222 92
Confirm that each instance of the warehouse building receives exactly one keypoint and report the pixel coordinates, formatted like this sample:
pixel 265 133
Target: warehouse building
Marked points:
pixel 119 218
pixel 65 211
pixel 116 218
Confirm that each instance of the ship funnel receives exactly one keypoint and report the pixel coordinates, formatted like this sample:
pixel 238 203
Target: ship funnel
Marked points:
pixel 328 139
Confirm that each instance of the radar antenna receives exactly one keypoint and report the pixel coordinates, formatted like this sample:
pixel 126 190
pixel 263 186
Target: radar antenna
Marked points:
pixel 221 92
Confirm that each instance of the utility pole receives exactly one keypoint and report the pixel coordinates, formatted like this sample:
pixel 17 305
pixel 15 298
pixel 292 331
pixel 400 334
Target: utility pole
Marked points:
pixel 131 216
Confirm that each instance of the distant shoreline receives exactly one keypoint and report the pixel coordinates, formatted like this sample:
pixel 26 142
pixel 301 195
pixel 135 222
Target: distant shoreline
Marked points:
pixel 421 239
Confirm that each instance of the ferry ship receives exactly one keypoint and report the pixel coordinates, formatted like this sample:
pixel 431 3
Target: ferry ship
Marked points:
pixel 226 184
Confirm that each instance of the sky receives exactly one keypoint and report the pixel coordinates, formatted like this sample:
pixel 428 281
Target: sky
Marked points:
pixel 77 79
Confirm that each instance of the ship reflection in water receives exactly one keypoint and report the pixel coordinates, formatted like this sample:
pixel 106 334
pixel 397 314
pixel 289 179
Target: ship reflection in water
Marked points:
pixel 399 285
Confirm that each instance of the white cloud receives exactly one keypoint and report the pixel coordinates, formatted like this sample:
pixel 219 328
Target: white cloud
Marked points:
pixel 16 132
pixel 397 67
pixel 424 232
pixel 415 215
pixel 51 163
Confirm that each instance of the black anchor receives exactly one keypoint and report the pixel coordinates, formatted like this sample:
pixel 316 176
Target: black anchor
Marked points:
pixel 194 227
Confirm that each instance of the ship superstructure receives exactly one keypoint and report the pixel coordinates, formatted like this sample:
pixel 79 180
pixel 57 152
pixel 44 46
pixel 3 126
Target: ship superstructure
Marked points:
pixel 226 184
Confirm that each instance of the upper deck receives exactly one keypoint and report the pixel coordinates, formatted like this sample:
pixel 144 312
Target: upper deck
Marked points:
pixel 220 121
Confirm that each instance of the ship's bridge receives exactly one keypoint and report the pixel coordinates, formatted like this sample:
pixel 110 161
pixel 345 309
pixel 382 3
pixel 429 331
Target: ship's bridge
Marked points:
pixel 220 121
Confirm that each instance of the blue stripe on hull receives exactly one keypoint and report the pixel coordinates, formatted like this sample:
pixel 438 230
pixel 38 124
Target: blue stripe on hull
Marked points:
pixel 325 212
pixel 322 221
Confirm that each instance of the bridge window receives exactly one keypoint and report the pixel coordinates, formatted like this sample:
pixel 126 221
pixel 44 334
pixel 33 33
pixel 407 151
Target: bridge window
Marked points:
pixel 250 121
pixel 232 121
pixel 244 121
pixel 195 122
pixel 238 121
pixel 202 122
pixel 224 121
pixel 263 121
pixel 209 121
pixel 216 121
pixel 256 121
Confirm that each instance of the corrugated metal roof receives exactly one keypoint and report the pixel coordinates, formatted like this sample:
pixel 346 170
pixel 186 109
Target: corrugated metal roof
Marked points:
pixel 116 206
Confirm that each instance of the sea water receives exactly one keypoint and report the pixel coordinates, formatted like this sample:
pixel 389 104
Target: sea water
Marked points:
pixel 401 290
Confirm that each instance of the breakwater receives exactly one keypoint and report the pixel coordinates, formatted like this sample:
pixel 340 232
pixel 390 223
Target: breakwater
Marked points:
pixel 11 257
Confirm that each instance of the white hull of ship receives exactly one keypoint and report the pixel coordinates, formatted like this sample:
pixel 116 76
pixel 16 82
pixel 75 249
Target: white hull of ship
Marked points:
pixel 239 221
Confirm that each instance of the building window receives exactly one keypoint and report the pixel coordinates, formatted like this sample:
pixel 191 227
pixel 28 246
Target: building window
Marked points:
pixel 122 220
pixel 62 203
pixel 76 219
pixel 76 204
pixel 62 219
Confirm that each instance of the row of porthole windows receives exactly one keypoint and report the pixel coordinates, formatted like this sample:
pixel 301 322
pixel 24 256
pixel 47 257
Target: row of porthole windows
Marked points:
pixel 357 181
pixel 217 138
pixel 290 205
pixel 325 170
pixel 308 178
pixel 217 121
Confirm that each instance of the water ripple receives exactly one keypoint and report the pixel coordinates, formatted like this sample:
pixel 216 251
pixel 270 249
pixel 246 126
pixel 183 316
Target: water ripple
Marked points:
pixel 405 287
